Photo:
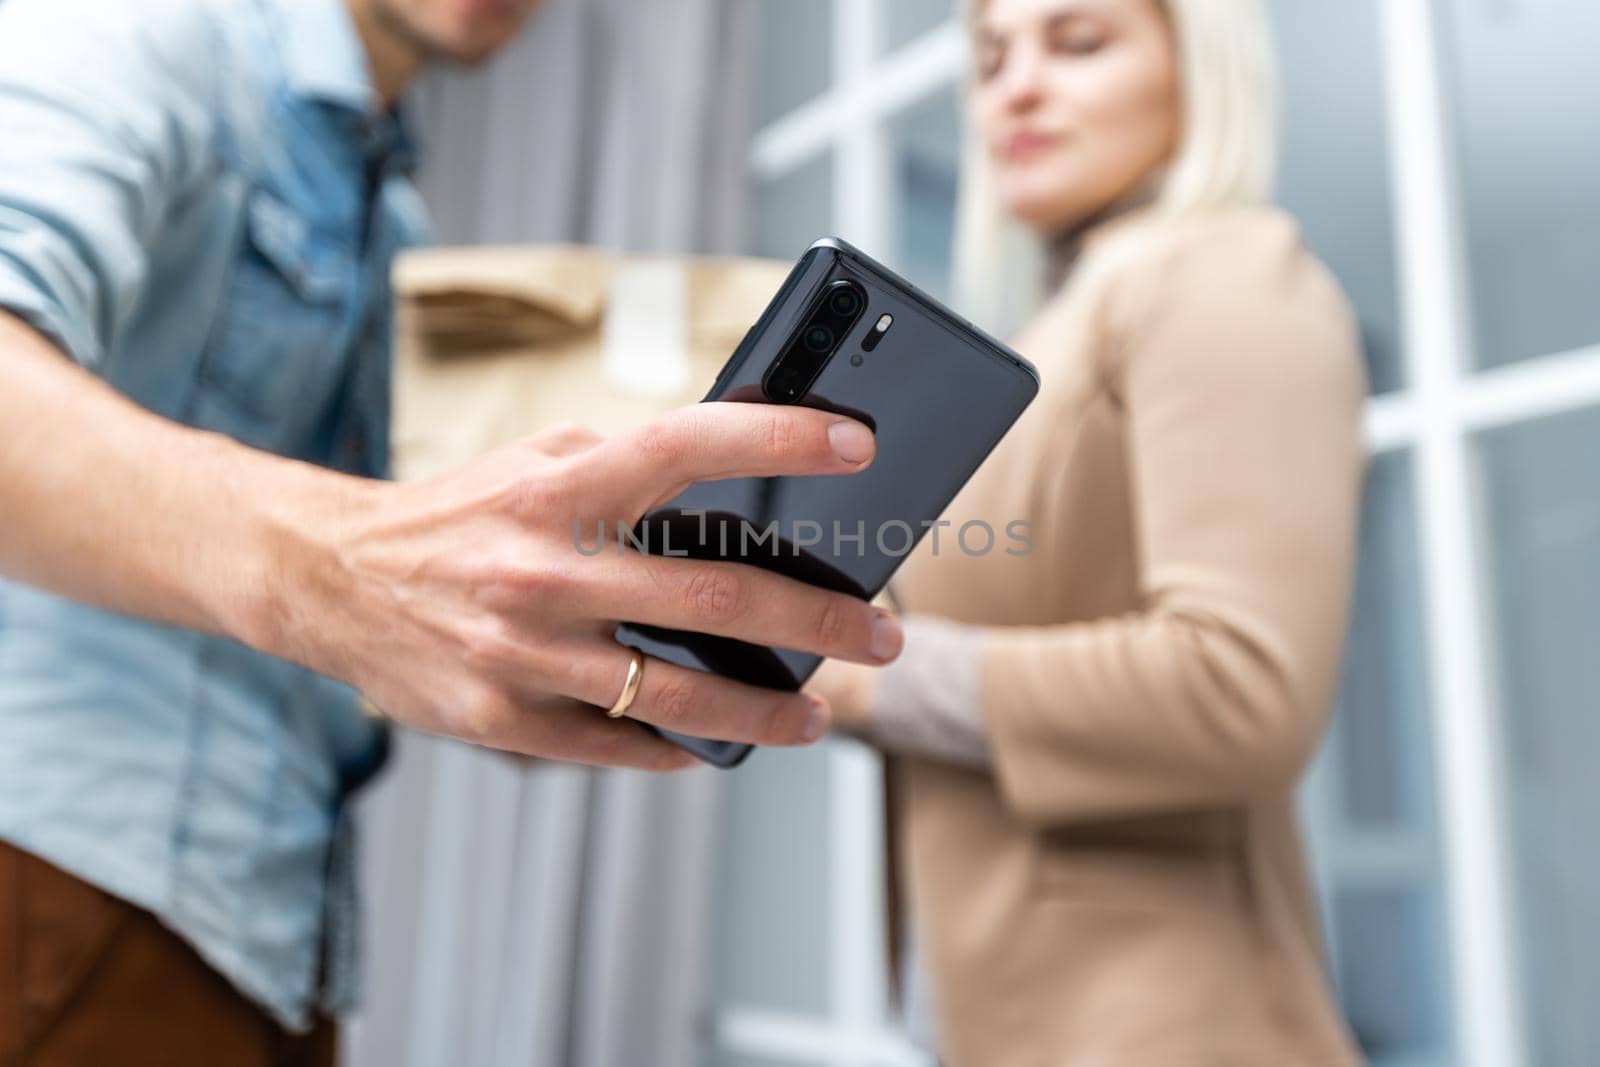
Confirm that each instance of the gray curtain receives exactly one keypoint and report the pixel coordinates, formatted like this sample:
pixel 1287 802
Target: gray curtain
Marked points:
pixel 612 122
pixel 542 915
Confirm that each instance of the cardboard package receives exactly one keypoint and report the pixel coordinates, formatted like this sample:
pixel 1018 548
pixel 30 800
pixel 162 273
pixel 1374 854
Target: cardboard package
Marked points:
pixel 493 344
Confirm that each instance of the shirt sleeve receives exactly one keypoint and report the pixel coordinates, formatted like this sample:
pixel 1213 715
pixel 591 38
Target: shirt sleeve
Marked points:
pixel 1241 387
pixel 104 122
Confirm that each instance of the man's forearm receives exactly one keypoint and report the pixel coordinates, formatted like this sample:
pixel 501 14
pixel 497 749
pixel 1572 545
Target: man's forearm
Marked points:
pixel 109 504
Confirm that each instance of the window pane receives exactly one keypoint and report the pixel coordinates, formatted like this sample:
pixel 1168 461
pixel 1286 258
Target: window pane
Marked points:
pixel 926 144
pixel 906 20
pixel 792 57
pixel 1334 173
pixel 770 940
pixel 1386 775
pixel 788 213
pixel 1526 99
pixel 1374 833
pixel 1385 964
pixel 1543 497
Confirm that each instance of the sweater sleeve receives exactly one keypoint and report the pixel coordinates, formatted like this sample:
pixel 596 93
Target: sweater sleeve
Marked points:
pixel 926 703
pixel 1240 384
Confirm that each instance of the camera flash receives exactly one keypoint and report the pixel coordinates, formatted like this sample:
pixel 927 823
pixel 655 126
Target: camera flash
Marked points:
pixel 881 327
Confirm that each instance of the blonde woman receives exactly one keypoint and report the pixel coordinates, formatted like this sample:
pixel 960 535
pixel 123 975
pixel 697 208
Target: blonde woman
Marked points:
pixel 1096 743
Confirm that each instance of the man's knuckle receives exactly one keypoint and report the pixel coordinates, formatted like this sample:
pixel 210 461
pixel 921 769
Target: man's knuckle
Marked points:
pixel 551 671
pixel 661 444
pixel 481 718
pixel 489 649
pixel 675 702
pixel 715 595
pixel 564 435
pixel 543 493
pixel 548 582
pixel 781 435
pixel 502 584
pixel 832 622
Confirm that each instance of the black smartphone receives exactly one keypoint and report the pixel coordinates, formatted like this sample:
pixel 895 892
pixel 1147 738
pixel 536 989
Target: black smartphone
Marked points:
pixel 847 335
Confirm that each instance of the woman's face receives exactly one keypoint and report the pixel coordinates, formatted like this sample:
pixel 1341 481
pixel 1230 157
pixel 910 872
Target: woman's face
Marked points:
pixel 1078 102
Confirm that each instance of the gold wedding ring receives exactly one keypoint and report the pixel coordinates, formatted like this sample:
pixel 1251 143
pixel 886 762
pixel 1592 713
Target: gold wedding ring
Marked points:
pixel 630 688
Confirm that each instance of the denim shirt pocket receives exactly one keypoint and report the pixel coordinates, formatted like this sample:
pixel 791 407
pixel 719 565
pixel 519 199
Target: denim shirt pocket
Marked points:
pixel 277 353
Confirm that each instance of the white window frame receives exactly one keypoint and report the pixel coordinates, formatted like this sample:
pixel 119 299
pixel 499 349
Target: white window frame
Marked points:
pixel 1444 404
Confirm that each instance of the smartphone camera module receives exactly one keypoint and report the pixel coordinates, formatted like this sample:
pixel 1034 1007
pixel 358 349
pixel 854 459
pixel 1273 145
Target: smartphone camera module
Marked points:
pixel 825 325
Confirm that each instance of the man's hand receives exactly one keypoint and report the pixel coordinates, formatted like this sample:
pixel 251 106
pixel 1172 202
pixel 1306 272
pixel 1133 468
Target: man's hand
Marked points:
pixel 459 605
pixel 462 606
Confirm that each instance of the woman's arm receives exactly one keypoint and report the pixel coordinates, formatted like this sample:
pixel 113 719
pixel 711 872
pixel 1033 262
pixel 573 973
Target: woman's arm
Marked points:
pixel 1242 388
pixel 925 704
pixel 1242 392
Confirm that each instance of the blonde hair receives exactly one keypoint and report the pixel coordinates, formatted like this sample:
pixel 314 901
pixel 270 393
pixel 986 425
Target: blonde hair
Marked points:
pixel 1226 158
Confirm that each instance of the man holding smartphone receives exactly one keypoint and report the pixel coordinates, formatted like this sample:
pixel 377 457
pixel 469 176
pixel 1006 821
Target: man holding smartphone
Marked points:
pixel 199 568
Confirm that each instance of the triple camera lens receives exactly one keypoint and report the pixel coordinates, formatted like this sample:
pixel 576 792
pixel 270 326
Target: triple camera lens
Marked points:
pixel 830 318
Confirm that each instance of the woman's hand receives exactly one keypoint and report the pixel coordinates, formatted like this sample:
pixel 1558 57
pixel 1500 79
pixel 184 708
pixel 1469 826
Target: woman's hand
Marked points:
pixel 848 689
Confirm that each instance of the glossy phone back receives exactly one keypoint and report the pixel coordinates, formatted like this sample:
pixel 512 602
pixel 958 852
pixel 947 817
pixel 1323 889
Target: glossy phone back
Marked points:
pixel 939 394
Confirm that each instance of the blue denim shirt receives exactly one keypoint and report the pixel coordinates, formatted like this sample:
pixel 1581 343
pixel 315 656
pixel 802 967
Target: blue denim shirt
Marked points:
pixel 199 201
